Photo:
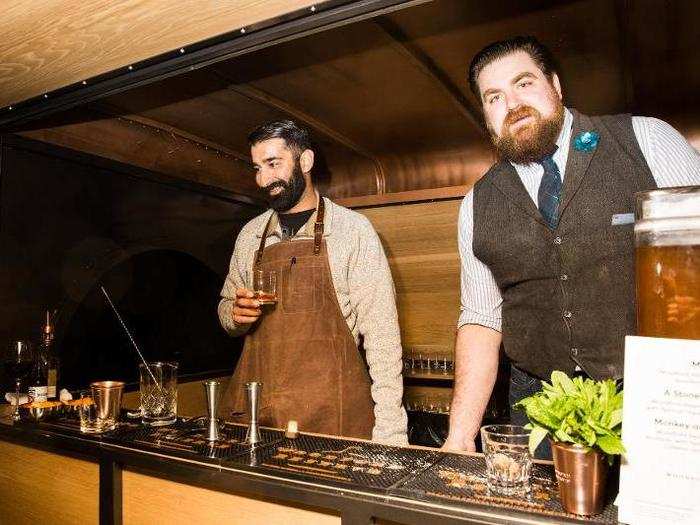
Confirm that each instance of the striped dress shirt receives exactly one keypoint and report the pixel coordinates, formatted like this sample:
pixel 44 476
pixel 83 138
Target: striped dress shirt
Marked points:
pixel 672 161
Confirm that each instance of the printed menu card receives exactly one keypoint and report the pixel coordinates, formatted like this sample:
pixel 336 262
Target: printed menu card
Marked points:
pixel 660 471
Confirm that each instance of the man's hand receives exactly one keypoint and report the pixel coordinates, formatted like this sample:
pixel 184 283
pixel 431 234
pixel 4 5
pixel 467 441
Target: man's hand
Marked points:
pixel 457 445
pixel 246 310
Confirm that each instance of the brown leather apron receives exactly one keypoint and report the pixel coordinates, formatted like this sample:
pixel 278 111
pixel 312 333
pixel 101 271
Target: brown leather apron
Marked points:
pixel 302 350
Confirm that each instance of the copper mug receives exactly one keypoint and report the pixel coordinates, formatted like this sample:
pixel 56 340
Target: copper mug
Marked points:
pixel 581 475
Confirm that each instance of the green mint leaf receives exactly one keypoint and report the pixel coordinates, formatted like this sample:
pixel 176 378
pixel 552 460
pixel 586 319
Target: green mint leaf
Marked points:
pixel 610 444
pixel 536 436
pixel 563 381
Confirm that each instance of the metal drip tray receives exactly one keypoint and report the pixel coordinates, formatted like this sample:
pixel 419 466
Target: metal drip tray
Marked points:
pixel 184 438
pixel 187 438
pixel 338 461
pixel 463 479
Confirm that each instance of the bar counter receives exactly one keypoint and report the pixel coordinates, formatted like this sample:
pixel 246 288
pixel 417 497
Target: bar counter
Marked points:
pixel 51 473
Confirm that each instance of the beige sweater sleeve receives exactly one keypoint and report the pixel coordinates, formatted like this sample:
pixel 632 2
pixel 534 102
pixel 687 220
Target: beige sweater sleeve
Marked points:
pixel 372 295
pixel 236 278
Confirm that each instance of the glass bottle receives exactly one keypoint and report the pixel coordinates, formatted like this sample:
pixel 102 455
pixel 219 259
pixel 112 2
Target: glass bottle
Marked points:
pixel 51 359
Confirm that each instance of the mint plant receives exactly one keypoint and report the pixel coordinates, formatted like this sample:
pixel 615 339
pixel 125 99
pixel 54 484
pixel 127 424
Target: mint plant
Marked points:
pixel 579 411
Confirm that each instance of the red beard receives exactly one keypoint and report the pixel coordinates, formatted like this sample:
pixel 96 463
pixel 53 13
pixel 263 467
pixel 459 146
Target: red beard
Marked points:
pixel 532 141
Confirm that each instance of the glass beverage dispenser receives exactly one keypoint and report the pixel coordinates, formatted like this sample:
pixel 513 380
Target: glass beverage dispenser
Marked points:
pixel 667 245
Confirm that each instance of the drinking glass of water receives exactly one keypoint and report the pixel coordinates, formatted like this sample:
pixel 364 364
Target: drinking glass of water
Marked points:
pixel 508 459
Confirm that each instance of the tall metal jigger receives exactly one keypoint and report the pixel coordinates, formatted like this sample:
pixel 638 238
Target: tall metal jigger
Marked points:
pixel 211 391
pixel 252 391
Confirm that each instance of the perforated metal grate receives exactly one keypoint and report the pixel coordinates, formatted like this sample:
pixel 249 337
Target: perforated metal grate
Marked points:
pixel 366 465
pixel 184 438
pixel 463 479
pixel 188 438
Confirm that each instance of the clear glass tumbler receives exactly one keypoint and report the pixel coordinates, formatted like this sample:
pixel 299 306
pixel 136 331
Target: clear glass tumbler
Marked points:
pixel 508 459
pixel 158 393
pixel 265 286
pixel 87 411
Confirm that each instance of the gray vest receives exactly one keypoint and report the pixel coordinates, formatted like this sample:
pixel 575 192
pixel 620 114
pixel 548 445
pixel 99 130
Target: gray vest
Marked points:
pixel 568 294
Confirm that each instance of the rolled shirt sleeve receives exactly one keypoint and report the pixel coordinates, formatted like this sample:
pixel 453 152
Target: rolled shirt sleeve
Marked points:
pixel 373 296
pixel 481 299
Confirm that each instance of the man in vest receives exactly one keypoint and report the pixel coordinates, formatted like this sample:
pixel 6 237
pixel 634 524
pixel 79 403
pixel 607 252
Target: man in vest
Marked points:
pixel 546 236
pixel 333 286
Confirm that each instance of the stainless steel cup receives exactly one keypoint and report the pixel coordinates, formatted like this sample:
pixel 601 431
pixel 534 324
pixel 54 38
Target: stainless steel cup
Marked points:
pixel 252 391
pixel 211 392
pixel 107 396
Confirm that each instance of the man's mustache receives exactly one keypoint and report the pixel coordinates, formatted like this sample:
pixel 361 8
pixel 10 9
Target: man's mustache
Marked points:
pixel 277 184
pixel 518 113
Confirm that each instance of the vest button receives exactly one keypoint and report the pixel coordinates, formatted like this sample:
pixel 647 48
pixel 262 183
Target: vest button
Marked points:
pixel 567 314
pixel 557 240
pixel 574 351
pixel 564 277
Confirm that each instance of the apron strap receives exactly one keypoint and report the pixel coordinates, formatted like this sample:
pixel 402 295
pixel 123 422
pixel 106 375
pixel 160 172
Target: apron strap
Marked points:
pixel 318 227
pixel 259 255
pixel 318 232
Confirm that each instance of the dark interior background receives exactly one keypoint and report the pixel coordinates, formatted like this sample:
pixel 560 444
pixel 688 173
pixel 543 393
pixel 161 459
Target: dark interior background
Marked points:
pixel 70 222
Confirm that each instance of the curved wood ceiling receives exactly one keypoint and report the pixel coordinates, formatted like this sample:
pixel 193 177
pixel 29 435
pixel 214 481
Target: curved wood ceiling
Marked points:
pixel 388 98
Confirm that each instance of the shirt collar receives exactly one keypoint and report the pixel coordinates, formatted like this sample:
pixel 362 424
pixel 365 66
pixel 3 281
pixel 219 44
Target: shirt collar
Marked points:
pixel 307 231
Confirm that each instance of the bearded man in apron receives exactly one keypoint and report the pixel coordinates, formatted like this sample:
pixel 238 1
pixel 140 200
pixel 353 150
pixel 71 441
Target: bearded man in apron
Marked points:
pixel 334 286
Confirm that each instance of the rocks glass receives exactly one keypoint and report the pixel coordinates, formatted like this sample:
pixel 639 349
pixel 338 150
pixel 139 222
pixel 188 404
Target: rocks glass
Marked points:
pixel 265 286
pixel 508 459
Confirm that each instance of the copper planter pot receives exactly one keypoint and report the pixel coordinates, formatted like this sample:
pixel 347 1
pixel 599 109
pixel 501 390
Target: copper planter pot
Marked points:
pixel 581 475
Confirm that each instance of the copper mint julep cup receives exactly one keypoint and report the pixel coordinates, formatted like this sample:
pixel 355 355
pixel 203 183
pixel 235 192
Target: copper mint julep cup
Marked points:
pixel 581 475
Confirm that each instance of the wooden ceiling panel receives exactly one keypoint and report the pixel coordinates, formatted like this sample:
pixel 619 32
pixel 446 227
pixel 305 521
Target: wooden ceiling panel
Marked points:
pixel 224 117
pixel 364 87
pixel 583 36
pixel 221 115
pixel 149 147
pixel 48 45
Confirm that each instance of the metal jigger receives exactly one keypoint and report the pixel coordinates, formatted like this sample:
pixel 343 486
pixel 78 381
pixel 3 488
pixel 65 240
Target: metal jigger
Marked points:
pixel 252 391
pixel 211 391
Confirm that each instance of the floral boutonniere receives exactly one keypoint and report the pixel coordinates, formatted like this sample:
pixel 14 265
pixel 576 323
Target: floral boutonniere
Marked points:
pixel 586 141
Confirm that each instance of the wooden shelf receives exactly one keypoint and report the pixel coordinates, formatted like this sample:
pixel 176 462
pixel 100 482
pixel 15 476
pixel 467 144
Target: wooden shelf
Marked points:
pixel 432 376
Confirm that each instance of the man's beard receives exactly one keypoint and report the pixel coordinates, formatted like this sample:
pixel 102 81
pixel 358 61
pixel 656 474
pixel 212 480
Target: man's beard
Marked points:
pixel 530 142
pixel 292 190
